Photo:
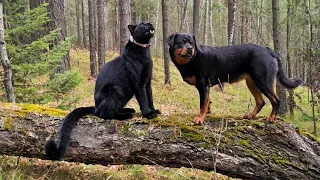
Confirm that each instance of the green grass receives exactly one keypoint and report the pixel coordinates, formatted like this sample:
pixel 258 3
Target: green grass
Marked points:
pixel 19 168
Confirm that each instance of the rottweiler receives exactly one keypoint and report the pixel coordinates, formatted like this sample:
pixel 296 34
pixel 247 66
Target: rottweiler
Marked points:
pixel 206 66
pixel 118 81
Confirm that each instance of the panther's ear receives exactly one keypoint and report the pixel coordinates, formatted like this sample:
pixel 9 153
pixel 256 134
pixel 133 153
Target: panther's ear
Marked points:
pixel 170 40
pixel 131 28
pixel 195 41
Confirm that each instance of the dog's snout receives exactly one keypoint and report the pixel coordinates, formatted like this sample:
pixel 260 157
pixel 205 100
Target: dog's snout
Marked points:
pixel 189 49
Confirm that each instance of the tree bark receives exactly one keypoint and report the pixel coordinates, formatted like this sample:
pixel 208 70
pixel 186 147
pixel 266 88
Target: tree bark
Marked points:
pixel 239 148
pixel 291 101
pixel 205 23
pixel 232 5
pixel 125 20
pixel 102 33
pixel 84 34
pixel 78 22
pixel 56 10
pixel 277 47
pixel 165 30
pixel 211 24
pixel 184 17
pixel 6 64
pixel 196 19
pixel 92 39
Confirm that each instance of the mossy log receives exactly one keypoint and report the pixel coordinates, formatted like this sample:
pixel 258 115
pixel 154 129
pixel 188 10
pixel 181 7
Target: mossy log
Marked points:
pixel 234 147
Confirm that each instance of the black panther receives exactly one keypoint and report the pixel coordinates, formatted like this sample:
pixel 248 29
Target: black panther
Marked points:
pixel 206 66
pixel 118 81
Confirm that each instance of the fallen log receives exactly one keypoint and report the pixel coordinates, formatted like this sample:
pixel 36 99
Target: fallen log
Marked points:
pixel 249 149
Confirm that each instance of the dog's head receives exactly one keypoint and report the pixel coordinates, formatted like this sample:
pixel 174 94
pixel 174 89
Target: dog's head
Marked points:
pixel 183 46
pixel 142 32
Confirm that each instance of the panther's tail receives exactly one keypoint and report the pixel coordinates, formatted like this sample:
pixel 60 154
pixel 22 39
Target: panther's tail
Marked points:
pixel 290 84
pixel 56 152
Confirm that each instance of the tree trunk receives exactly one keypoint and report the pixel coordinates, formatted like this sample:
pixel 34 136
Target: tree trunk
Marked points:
pixel 277 47
pixel 248 149
pixel 211 24
pixel 205 23
pixel 78 22
pixel 6 64
pixel 84 34
pixel 102 33
pixel 196 19
pixel 291 101
pixel 310 59
pixel 232 5
pixel 165 30
pixel 184 17
pixel 56 10
pixel 92 39
pixel 125 20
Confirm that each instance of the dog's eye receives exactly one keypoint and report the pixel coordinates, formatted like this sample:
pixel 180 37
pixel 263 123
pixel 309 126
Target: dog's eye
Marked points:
pixel 192 43
pixel 181 42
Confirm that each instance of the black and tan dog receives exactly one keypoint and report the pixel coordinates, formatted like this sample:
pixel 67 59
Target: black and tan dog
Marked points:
pixel 205 66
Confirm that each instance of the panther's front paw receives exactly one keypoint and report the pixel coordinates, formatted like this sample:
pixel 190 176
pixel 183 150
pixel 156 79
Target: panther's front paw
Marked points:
pixel 150 115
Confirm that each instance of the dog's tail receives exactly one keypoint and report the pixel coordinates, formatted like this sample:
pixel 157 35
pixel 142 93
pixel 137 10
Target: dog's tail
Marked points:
pixel 56 152
pixel 290 84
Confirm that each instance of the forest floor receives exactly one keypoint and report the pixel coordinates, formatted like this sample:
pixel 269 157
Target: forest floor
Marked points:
pixel 177 98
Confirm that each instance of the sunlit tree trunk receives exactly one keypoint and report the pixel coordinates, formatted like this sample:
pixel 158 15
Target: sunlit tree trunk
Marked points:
pixel 6 64
pixel 232 5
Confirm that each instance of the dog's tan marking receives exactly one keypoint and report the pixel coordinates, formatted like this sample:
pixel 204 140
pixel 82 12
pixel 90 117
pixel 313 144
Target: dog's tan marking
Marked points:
pixel 203 111
pixel 182 60
pixel 191 80
pixel 257 96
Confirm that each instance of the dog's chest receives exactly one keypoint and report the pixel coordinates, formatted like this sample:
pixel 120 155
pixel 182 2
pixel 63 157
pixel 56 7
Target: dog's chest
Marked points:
pixel 191 80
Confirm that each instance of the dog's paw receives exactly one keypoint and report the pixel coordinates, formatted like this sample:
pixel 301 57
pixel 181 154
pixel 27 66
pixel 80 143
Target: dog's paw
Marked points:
pixel 157 111
pixel 249 116
pixel 198 120
pixel 150 115
pixel 271 119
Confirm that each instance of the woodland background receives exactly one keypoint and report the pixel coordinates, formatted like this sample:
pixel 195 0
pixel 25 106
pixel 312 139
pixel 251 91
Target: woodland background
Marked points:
pixel 55 49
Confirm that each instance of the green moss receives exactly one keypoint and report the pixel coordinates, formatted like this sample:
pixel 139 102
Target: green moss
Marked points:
pixel 8 123
pixel 280 160
pixel 244 143
pixel 303 132
pixel 27 108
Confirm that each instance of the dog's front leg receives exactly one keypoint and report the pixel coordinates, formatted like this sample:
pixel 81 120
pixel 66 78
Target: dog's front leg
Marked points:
pixel 203 89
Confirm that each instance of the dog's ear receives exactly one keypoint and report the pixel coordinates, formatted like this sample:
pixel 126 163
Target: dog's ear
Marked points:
pixel 195 42
pixel 131 28
pixel 170 40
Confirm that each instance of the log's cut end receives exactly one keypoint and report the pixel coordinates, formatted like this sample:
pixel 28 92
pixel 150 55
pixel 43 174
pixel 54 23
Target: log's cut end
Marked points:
pixel 235 147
